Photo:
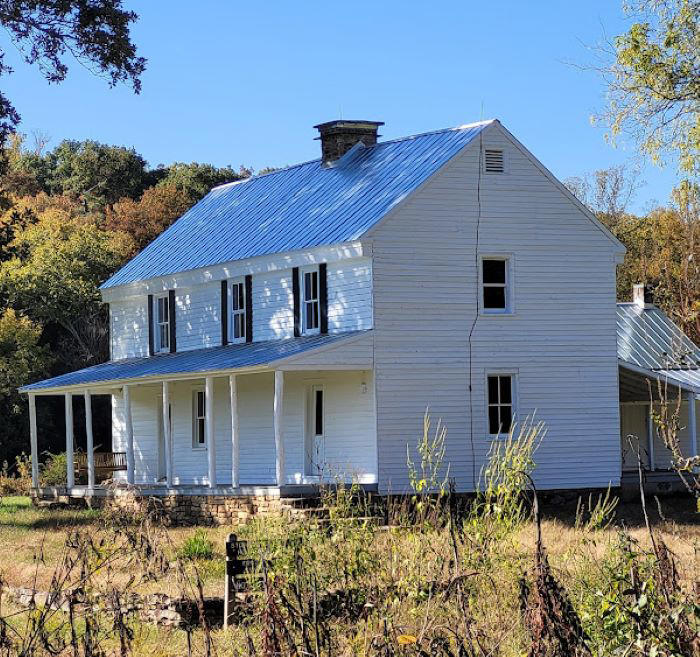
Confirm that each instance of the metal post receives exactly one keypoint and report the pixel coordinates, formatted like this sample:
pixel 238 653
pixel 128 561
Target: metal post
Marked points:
pixel 278 418
pixel 230 584
pixel 235 441
pixel 209 429
pixel 70 465
pixel 129 425
pixel 33 441
pixel 90 448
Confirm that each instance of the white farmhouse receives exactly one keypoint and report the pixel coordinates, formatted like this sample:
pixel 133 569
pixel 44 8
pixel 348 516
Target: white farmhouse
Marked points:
pixel 295 326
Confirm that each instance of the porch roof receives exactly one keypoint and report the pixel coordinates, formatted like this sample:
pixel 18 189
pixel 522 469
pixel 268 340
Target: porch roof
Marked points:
pixel 200 361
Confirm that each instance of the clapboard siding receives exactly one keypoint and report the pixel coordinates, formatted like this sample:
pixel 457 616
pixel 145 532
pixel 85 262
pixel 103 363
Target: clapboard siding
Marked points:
pixel 350 447
pixel 560 342
pixel 198 309
pixel 129 328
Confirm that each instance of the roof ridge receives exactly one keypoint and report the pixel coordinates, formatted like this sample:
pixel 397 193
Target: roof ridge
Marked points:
pixel 464 126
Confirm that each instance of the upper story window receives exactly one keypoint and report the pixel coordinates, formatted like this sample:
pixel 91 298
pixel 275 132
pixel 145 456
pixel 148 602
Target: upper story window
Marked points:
pixel 496 285
pixel 199 410
pixel 237 320
pixel 310 306
pixel 501 394
pixel 161 321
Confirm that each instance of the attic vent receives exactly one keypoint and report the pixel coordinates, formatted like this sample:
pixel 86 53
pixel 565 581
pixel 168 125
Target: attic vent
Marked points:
pixel 493 161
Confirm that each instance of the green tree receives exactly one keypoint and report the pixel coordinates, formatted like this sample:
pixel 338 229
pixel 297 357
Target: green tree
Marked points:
pixel 22 359
pixel 55 278
pixel 654 80
pixel 197 179
pixel 97 33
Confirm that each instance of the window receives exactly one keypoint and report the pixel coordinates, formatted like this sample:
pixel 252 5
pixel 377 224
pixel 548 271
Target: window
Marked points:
pixel 199 410
pixel 162 324
pixel 496 286
pixel 238 309
pixel 318 411
pixel 493 161
pixel 500 402
pixel 310 311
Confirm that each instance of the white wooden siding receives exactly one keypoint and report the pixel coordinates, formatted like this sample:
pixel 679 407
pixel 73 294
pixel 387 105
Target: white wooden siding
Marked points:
pixel 561 341
pixel 198 309
pixel 129 328
pixel 350 428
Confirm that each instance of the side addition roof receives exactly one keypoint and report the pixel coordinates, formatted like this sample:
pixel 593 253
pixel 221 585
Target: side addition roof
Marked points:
pixel 299 207
pixel 649 342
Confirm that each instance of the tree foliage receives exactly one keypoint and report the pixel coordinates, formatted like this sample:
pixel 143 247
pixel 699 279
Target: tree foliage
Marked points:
pixel 196 179
pixel 94 32
pixel 653 80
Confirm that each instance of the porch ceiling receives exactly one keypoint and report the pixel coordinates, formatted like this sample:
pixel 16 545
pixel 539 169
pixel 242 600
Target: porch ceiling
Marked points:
pixel 254 356
pixel 637 383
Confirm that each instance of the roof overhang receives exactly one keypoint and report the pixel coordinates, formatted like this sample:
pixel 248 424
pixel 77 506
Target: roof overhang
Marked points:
pixel 675 378
pixel 197 364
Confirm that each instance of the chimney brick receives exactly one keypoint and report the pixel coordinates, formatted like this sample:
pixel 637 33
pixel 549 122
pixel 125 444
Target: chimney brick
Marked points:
pixel 338 137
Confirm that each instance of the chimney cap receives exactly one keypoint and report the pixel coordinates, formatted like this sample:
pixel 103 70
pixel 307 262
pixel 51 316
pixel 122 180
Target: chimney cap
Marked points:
pixel 348 123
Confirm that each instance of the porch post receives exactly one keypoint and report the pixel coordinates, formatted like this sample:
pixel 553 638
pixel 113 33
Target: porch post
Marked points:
pixel 90 440
pixel 70 465
pixel 129 426
pixel 166 434
pixel 33 441
pixel 650 436
pixel 279 438
pixel 235 442
pixel 209 429
pixel 692 424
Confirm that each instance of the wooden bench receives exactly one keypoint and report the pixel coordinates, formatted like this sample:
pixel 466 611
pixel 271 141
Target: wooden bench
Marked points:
pixel 105 462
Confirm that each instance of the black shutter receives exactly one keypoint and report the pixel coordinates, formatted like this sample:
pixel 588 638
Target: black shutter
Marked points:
pixel 150 325
pixel 171 321
pixel 296 302
pixel 323 296
pixel 249 308
pixel 224 312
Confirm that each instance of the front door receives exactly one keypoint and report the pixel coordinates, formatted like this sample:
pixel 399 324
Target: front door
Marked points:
pixel 315 431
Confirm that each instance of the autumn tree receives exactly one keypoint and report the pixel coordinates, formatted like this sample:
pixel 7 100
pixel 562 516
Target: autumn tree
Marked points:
pixel 653 77
pixel 196 180
pixel 148 217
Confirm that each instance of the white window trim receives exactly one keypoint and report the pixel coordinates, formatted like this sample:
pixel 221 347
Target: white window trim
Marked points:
pixel 509 285
pixel 236 281
pixel 302 302
pixel 513 374
pixel 196 445
pixel 157 347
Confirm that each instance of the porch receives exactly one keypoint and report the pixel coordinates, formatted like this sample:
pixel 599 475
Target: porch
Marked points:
pixel 276 429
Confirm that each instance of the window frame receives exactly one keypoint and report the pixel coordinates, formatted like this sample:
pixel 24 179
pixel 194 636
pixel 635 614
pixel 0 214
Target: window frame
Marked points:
pixel 513 374
pixel 196 445
pixel 158 347
pixel 303 302
pixel 241 312
pixel 509 285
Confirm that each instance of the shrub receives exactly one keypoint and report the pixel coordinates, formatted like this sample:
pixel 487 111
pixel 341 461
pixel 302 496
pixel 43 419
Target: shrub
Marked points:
pixel 197 546
pixel 53 472
pixel 16 480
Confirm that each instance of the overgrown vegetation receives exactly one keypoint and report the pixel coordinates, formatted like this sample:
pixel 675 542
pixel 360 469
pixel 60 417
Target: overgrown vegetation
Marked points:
pixel 488 577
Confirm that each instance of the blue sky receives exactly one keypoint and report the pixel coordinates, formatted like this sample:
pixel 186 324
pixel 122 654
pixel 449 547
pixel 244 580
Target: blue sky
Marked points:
pixel 243 83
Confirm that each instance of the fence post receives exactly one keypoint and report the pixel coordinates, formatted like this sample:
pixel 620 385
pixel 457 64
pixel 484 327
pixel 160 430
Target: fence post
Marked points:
pixel 230 590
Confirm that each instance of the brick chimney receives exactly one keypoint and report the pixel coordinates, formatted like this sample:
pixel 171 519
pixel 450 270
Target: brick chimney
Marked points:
pixel 338 137
pixel 641 295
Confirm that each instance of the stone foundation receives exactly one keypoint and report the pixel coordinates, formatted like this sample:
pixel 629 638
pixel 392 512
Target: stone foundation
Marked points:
pixel 187 510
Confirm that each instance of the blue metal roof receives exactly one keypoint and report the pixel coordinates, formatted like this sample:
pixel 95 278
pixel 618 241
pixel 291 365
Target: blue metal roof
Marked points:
pixel 212 359
pixel 298 207
pixel 647 338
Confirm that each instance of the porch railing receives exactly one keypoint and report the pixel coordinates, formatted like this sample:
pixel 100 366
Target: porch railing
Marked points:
pixel 104 462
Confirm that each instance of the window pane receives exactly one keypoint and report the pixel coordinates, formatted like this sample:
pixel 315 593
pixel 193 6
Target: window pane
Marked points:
pixel 307 286
pixel 506 418
pixel 164 336
pixel 241 297
pixel 315 315
pixel 200 404
pixel 495 298
pixel 319 412
pixel 505 389
pixel 494 271
pixel 314 285
pixel 200 431
pixel 493 390
pixel 239 326
pixel 493 419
